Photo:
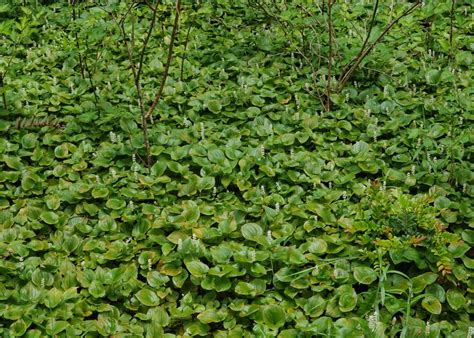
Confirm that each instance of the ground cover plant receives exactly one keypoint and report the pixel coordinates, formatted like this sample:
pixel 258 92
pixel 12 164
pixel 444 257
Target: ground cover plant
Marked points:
pixel 236 168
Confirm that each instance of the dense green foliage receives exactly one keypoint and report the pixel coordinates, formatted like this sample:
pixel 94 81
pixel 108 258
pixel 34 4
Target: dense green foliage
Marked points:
pixel 263 214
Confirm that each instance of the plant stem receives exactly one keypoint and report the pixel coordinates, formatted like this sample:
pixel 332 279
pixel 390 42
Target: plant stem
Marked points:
pixel 330 57
pixel 168 61
pixel 352 66
pixel 5 105
pixel 367 37
pixel 185 49
pixel 76 37
pixel 451 31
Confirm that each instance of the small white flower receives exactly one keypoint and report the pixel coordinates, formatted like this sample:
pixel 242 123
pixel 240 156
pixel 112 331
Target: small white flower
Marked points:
pixel 180 244
pixel 277 207
pixel 252 255
pixel 413 169
pixel 149 264
pixel 428 328
pixel 203 131
pixel 262 150
pixel 113 173
pixel 269 235
pixel 470 332
pixel 278 186
pixel 262 189
pixel 113 137
pixel 372 321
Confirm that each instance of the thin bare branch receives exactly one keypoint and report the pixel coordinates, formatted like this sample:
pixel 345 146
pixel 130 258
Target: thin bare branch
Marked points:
pixel 168 61
pixel 348 73
pixel 330 58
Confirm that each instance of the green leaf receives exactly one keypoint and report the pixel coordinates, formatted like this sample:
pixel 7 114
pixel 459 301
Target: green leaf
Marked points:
pixel 347 302
pixel 191 212
pixel 433 76
pixel 455 299
pixel 96 289
pixel 214 106
pixel 216 155
pixel 431 304
pixel 267 170
pixel 251 230
pixel 61 151
pixel 314 306
pixel 423 280
pixel 273 316
pixel 52 202
pixel 53 298
pixel 18 328
pixel 364 275
pixel 54 326
pixel 49 217
pixel 115 204
pixel 156 279
pixel 29 141
pixel 100 192
pixel 147 297
pixel 158 168
pixel 206 183
pixel 318 246
pixel 246 289
pixel 210 316
pixel 197 268
pixel 13 162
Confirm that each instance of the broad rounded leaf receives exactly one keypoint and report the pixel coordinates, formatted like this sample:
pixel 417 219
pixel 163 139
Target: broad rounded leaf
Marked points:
pixel 18 328
pixel 273 316
pixel 431 304
pixel 455 299
pixel 197 268
pixel 251 230
pixel 423 280
pixel 147 297
pixel 210 316
pixel 49 217
pixel 100 192
pixel 115 204
pixel 96 289
pixel 214 106
pixel 318 246
pixel 364 275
